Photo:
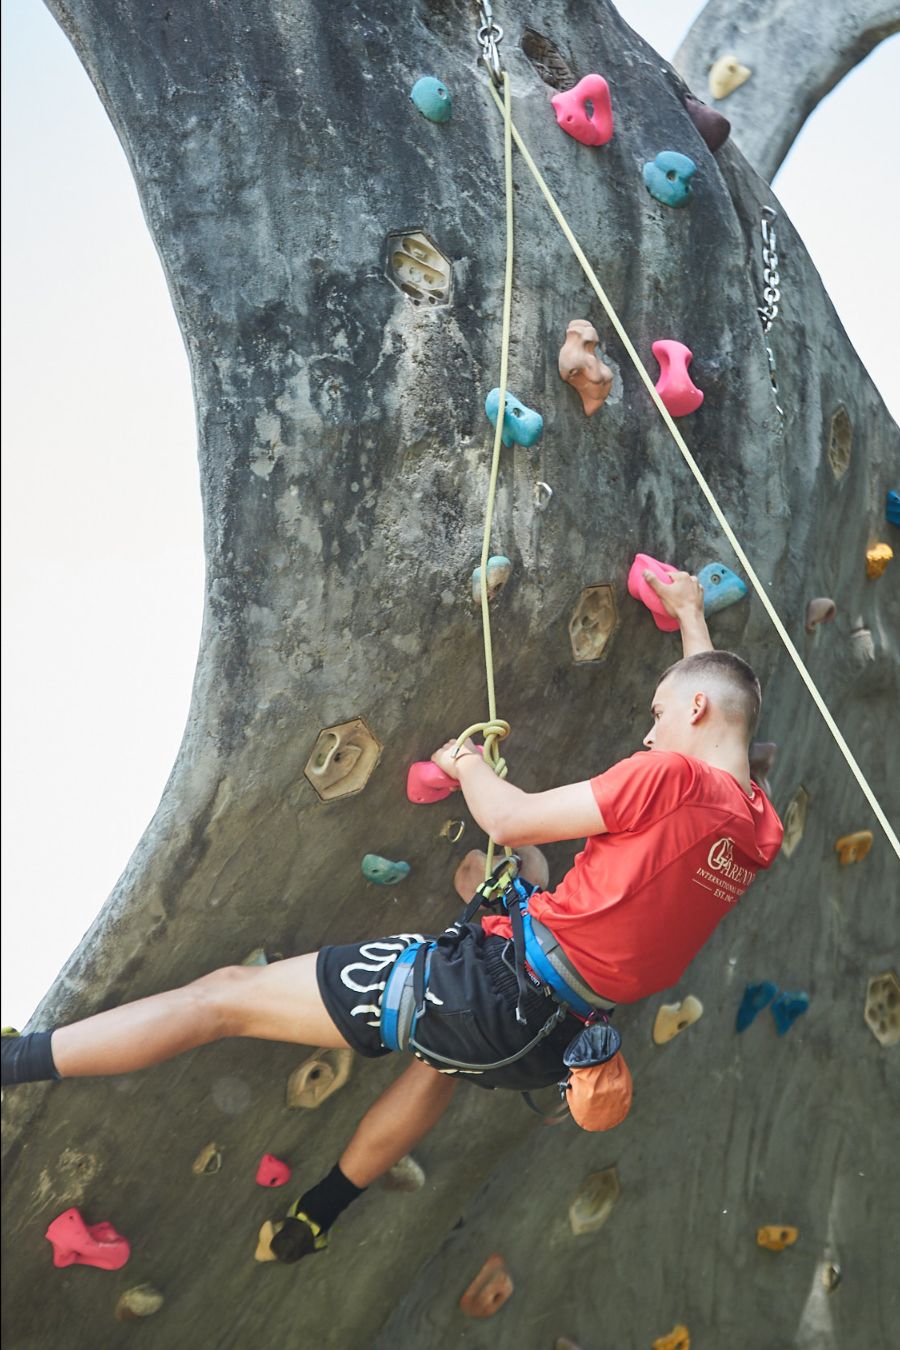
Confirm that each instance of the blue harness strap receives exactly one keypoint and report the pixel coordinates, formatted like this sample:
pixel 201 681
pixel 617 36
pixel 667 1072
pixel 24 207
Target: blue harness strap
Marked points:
pixel 547 974
pixel 399 1009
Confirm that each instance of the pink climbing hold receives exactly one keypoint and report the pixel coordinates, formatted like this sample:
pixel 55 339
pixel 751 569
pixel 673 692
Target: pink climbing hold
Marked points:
pixel 675 386
pixel 272 1171
pixel 641 590
pixel 78 1243
pixel 594 128
pixel 425 783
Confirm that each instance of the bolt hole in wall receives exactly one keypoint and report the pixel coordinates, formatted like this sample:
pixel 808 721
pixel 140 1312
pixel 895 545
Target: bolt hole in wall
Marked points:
pixel 108 581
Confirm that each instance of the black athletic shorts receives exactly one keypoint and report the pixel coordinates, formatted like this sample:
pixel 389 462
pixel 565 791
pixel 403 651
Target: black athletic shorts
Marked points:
pixel 470 1006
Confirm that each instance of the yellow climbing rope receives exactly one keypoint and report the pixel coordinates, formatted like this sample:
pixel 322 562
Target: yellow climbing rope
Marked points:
pixel 494 730
pixel 512 132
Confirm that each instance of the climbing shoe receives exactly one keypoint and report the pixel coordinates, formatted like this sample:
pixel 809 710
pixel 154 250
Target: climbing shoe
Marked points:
pixel 298 1236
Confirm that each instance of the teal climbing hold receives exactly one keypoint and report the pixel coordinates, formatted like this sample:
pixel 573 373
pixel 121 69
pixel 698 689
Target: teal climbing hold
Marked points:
pixel 432 98
pixel 499 569
pixel 721 587
pixel 787 1008
pixel 382 871
pixel 668 178
pixel 520 424
pixel 892 507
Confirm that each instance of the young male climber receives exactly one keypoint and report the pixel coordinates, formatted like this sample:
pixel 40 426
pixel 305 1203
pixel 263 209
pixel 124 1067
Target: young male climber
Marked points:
pixel 673 839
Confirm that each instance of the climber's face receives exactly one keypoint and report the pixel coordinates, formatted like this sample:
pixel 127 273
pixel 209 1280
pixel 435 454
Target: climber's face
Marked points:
pixel 676 710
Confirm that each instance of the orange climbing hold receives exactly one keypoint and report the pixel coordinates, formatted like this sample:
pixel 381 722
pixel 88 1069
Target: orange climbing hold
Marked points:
pixel 679 1338
pixel 75 1242
pixel 775 1237
pixel 489 1290
pixel 851 847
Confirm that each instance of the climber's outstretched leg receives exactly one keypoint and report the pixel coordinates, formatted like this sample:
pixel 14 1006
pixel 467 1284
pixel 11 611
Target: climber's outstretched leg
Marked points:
pixel 280 1002
pixel 394 1124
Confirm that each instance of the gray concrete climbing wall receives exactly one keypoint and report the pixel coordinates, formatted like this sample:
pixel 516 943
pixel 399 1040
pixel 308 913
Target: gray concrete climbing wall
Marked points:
pixel 343 451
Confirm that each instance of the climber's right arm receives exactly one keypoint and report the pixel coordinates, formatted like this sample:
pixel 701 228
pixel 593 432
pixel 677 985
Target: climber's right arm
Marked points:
pixel 682 598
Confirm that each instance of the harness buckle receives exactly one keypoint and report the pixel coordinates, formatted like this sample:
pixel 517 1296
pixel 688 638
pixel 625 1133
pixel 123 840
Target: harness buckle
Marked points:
pixel 503 875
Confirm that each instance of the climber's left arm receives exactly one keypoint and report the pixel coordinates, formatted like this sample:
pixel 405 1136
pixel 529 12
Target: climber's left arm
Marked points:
pixel 511 816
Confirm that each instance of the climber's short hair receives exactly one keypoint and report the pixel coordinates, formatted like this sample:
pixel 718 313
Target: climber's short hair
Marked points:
pixel 736 686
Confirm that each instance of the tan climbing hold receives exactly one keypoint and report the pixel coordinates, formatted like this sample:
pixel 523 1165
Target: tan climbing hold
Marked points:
pixel 452 830
pixel 268 1231
pixel 794 821
pixel 726 75
pixel 342 759
pixel 877 559
pixel 208 1161
pixel 140 1301
pixel 256 958
pixel 582 368
pixel 882 1012
pixel 775 1237
pixel 470 873
pixel 595 1201
pixel 489 1290
pixel 819 610
pixel 673 1018
pixel 318 1078
pixel 405 1175
pixel 850 848
pixel 593 622
pixel 679 1338
pixel 831 1276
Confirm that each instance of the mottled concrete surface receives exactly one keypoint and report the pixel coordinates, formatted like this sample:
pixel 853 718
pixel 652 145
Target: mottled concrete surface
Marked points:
pixel 344 451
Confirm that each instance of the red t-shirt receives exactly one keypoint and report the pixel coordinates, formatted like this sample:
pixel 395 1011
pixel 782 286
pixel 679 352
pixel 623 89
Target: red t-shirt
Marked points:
pixel 684 843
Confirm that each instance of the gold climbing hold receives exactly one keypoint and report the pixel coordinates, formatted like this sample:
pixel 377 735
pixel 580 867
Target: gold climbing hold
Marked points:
pixel 775 1237
pixel 489 1290
pixel 208 1161
pixel 851 847
pixel 877 559
pixel 679 1338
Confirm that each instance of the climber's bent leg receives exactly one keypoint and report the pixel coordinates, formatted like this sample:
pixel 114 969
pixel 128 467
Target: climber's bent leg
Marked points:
pixel 278 1002
pixel 394 1124
pixel 401 1116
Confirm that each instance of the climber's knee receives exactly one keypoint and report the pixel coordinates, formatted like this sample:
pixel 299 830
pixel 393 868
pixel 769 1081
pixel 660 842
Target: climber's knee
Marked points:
pixel 221 1001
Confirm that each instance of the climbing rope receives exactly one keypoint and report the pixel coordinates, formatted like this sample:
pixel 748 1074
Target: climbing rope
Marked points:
pixel 494 730
pixel 512 131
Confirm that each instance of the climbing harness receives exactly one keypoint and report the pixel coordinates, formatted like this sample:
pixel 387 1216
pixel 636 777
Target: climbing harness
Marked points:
pixel 512 132
pixel 403 1001
pixel 768 310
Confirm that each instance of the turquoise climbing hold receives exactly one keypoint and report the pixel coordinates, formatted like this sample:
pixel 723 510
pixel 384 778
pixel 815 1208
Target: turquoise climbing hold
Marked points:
pixel 721 587
pixel 432 98
pixel 668 178
pixel 382 871
pixel 892 508
pixel 520 424
pixel 787 1008
pixel 756 997
pixel 499 570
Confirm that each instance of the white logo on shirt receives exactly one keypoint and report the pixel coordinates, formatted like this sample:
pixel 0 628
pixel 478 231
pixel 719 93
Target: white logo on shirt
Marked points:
pixel 725 878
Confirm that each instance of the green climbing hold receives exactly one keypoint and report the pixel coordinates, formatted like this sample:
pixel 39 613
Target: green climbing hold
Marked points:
pixel 382 871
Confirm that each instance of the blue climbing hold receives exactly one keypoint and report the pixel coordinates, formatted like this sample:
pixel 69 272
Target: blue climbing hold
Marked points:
pixel 432 98
pixel 892 508
pixel 721 587
pixel 382 871
pixel 756 997
pixel 668 178
pixel 787 1008
pixel 520 424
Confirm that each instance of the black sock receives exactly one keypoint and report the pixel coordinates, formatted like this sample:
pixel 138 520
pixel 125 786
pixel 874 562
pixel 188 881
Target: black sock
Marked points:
pixel 324 1202
pixel 28 1058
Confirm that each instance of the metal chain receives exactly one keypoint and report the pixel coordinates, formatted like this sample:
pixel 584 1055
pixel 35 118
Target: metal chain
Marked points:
pixel 768 311
pixel 490 35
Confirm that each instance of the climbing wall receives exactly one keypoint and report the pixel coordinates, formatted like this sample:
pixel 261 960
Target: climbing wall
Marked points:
pixel 334 248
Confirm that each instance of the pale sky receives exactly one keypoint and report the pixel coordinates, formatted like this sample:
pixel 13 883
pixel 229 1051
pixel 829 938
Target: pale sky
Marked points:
pixel 103 564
